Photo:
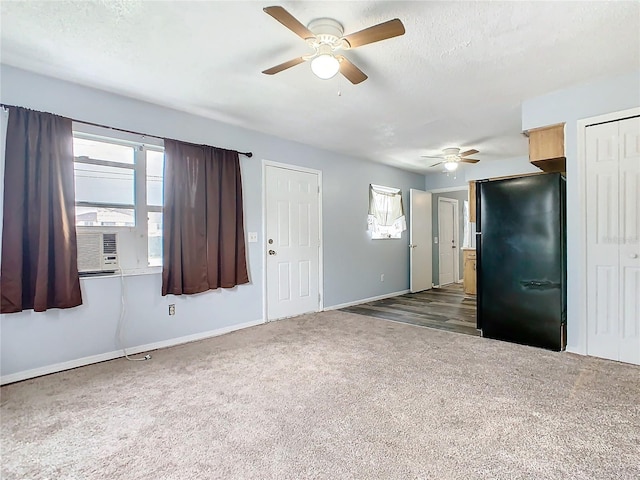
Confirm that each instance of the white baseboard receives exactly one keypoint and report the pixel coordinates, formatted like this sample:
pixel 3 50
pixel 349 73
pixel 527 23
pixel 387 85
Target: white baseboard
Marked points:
pixel 366 300
pixel 577 352
pixel 102 357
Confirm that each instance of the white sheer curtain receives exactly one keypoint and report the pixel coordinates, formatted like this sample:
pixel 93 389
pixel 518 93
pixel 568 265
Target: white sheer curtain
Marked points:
pixel 386 214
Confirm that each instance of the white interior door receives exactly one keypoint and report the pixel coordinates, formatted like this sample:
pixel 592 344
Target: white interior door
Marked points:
pixel 630 240
pixel 613 240
pixel 447 240
pixel 420 240
pixel 292 242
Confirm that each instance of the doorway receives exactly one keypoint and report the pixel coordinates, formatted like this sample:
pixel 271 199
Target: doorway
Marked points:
pixel 448 236
pixel 293 236
pixel 611 212
pixel 420 254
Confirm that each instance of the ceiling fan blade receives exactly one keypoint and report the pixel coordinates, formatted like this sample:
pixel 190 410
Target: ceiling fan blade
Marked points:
pixel 436 164
pixel 430 156
pixel 289 21
pixel 350 71
pixel 469 152
pixel 468 160
pixel 284 66
pixel 382 31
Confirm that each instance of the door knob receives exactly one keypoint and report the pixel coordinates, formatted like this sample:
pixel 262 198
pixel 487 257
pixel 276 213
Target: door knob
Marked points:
pixel 412 246
pixel 633 255
pixel 272 252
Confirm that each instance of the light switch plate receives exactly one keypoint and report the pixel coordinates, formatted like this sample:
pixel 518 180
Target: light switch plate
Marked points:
pixel 253 237
pixel 435 239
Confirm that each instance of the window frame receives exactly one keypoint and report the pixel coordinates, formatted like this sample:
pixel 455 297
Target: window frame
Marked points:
pixel 138 234
pixel 387 236
pixel 106 163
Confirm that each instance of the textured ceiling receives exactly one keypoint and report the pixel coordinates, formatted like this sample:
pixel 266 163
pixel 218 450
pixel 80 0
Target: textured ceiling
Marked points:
pixel 456 78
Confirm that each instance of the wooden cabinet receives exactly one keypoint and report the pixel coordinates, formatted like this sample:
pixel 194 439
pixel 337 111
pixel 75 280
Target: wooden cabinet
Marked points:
pixel 469 273
pixel 546 148
pixel 472 202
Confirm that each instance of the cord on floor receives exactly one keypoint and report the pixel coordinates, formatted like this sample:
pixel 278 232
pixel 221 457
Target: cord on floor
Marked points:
pixel 120 330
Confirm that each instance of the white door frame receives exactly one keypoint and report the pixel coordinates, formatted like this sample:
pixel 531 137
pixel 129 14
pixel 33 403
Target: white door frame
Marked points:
pixel 263 243
pixel 581 178
pixel 456 236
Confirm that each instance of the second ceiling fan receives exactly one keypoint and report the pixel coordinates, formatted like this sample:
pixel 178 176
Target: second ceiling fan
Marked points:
pixel 326 37
pixel 451 157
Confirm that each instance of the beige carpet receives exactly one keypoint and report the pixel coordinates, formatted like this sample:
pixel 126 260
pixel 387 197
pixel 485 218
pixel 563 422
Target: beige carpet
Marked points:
pixel 330 395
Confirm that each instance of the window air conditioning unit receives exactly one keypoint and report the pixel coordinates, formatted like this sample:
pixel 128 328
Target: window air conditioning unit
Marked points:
pixel 97 253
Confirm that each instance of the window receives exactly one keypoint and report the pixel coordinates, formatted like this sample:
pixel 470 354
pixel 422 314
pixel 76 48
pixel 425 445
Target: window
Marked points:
pixel 105 183
pixel 118 179
pixel 154 171
pixel 386 216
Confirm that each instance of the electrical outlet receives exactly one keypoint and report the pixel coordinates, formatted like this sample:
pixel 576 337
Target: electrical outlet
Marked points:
pixel 382 277
pixel 172 309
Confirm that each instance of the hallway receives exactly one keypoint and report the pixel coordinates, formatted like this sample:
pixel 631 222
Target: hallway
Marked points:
pixel 446 308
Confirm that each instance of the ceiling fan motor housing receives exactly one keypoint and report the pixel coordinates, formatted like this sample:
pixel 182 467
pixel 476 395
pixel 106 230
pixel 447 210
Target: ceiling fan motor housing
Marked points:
pixel 327 31
pixel 451 153
pixel 325 36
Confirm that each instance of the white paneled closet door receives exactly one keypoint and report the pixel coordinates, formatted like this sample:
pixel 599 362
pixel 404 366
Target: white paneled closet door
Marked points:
pixel 613 240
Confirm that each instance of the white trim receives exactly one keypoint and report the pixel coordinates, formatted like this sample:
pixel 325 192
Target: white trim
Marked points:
pixel 384 189
pixel 288 166
pixel 450 189
pixel 609 117
pixel 456 236
pixel 321 246
pixel 366 300
pixel 571 350
pixel 270 163
pixel 102 357
pixel 581 179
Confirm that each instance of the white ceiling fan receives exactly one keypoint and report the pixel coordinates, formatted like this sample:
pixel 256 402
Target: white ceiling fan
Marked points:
pixel 451 158
pixel 326 37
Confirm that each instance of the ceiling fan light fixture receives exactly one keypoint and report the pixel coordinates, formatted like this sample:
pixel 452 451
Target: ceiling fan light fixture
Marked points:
pixel 325 66
pixel 451 165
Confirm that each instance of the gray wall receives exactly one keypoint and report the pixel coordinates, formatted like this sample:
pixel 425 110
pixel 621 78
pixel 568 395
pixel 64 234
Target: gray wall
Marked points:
pixel 570 105
pixel 352 261
pixel 461 196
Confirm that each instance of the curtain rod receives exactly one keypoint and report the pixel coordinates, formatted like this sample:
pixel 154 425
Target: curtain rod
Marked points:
pixel 4 105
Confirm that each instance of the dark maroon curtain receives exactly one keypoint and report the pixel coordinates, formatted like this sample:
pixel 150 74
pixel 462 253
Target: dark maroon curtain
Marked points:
pixel 203 227
pixel 39 255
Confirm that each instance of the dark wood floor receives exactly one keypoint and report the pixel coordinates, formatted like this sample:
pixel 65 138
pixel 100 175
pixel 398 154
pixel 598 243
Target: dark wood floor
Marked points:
pixel 446 308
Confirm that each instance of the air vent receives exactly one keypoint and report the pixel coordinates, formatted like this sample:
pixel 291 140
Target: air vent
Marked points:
pixel 109 246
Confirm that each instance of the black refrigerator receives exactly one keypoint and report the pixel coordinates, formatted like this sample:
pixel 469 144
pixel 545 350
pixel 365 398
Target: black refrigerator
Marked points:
pixel 521 260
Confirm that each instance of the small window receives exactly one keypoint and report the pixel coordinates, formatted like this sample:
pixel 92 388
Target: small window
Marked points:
pixel 119 184
pixel 101 150
pixel 386 214
pixel 105 183
pixel 155 201
pixel 155 167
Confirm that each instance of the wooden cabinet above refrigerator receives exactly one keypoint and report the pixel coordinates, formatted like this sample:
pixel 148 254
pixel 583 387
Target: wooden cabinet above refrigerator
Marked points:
pixel 546 148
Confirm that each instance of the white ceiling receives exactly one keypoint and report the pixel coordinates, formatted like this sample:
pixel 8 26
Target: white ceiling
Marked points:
pixel 456 78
